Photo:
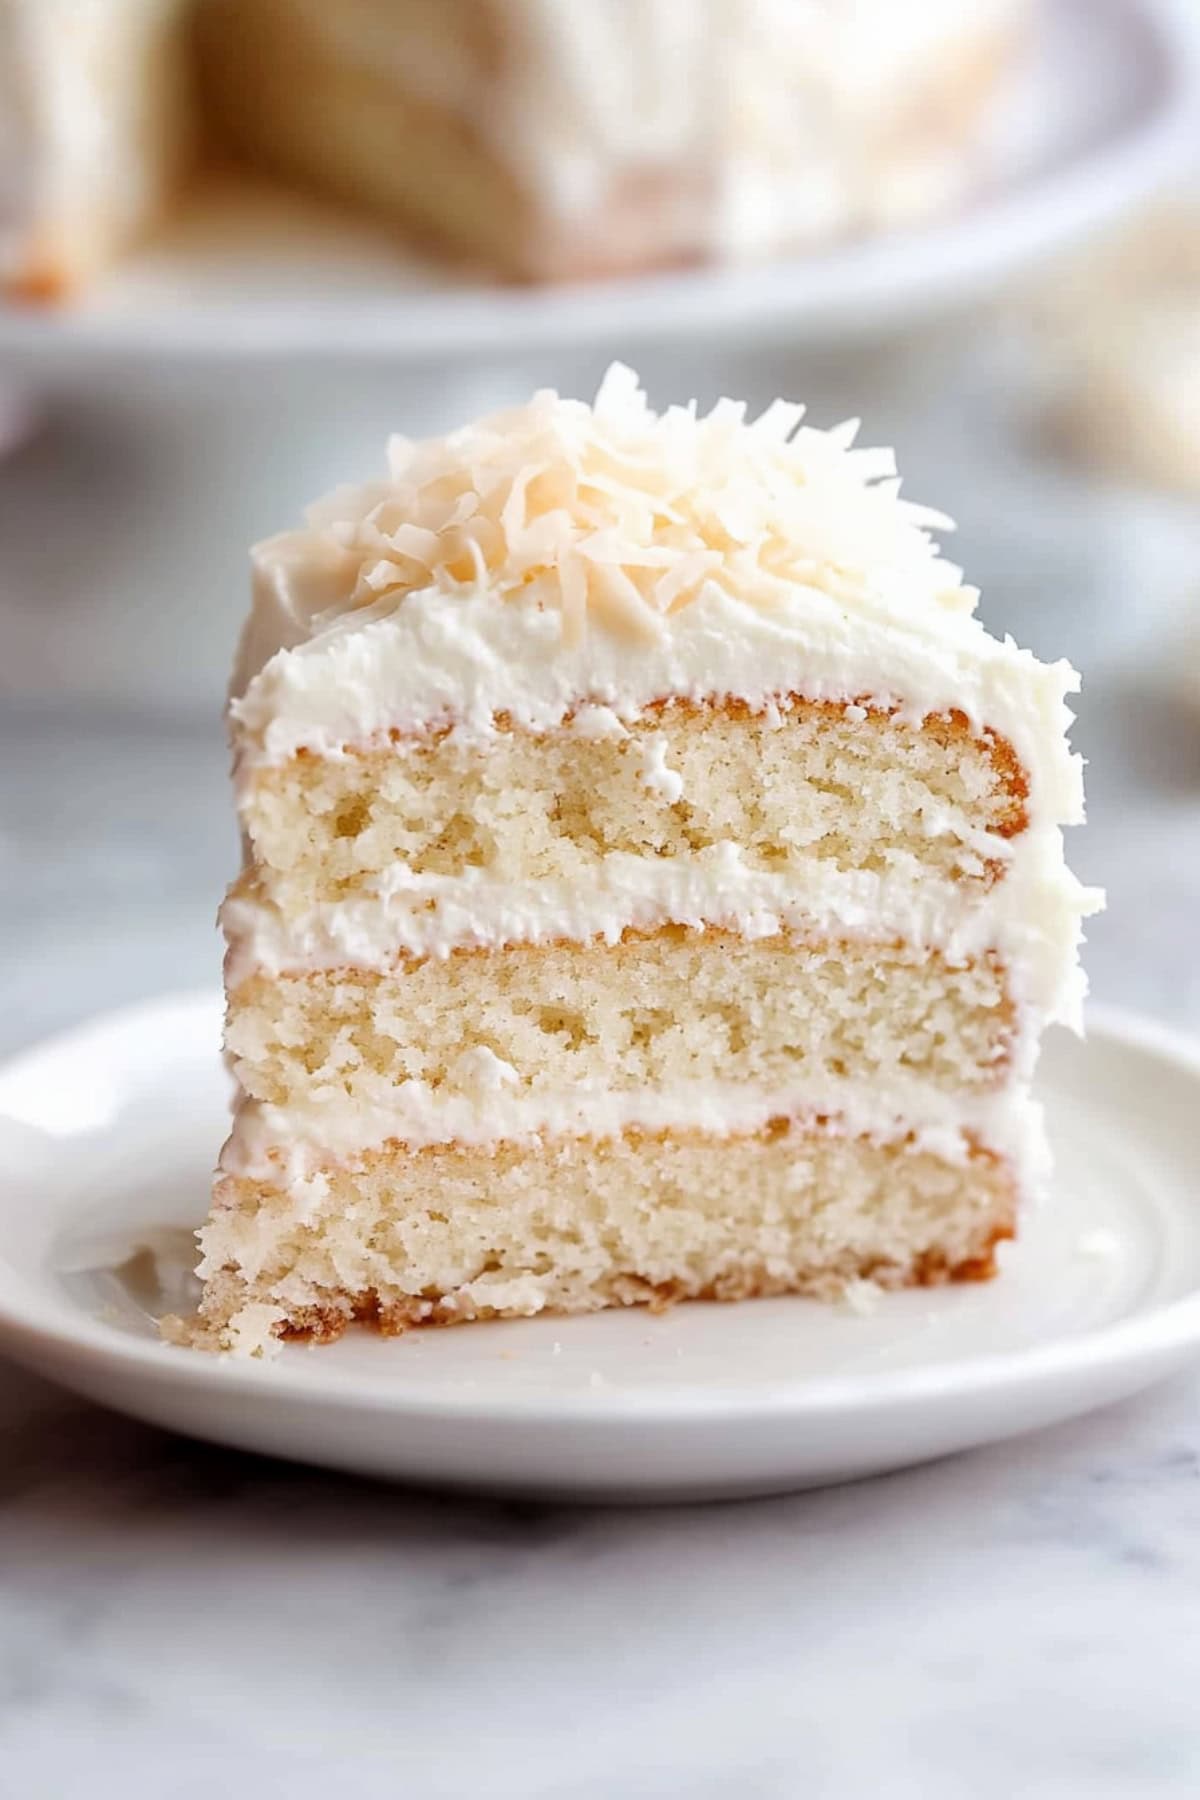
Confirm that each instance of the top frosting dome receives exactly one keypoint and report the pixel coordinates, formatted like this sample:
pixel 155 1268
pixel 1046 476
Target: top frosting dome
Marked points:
pixel 619 516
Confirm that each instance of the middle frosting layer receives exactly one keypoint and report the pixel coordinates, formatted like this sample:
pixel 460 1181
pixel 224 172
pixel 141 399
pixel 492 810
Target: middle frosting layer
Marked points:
pixel 291 1144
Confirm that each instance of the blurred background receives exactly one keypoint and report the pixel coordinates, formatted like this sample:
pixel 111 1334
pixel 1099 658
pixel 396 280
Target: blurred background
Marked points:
pixel 181 376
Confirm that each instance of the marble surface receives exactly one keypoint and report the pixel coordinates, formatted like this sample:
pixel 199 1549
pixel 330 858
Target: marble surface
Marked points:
pixel 1023 1621
pixel 176 1621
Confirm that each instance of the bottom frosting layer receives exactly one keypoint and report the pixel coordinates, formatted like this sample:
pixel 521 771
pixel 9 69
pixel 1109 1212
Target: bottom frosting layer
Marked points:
pixel 452 1233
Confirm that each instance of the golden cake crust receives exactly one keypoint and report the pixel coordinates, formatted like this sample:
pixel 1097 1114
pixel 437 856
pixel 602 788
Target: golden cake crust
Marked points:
pixel 325 1325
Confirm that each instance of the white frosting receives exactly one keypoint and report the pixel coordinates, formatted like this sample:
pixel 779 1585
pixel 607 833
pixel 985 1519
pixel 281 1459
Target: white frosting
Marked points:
pixel 290 1144
pixel 656 776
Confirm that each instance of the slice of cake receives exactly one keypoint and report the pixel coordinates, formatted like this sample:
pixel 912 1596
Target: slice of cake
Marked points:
pixel 654 886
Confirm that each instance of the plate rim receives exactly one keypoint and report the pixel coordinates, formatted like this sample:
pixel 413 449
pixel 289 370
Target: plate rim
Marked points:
pixel 38 1341
pixel 823 297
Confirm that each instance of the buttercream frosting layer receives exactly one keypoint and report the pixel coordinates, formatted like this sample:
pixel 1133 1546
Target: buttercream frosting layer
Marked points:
pixel 290 1145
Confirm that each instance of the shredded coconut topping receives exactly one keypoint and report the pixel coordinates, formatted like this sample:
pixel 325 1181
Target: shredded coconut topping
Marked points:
pixel 618 514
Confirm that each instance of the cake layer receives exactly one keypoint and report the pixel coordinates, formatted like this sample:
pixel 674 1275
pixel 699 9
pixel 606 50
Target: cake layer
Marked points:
pixel 847 785
pixel 452 1234
pixel 675 1007
pixel 294 1146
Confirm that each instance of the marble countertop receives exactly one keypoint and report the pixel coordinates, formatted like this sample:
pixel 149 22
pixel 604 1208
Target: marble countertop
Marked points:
pixel 1022 1621
pixel 178 1621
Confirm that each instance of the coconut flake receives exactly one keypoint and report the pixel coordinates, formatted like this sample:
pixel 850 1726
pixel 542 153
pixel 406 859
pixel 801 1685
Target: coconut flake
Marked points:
pixel 618 515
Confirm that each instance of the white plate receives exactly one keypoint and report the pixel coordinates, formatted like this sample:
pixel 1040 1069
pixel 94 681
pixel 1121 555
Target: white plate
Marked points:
pixel 106 1137
pixel 1094 122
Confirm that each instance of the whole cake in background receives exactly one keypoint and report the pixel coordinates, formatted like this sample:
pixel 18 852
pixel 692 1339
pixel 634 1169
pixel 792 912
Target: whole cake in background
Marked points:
pixel 654 884
pixel 543 139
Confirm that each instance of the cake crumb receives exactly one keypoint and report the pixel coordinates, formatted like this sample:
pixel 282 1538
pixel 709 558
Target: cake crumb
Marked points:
pixel 861 1296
